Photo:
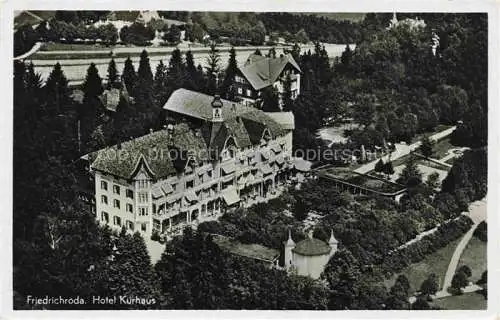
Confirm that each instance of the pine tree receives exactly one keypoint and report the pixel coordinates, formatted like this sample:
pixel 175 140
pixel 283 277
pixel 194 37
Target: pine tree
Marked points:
pixel 228 89
pixel 144 71
pixel 270 100
pixel 129 76
pixel 346 58
pixel 287 101
pixel 57 91
pixel 112 75
pixel 379 166
pixel 92 86
pixel 430 285
pixel 160 83
pixel 272 53
pixel 144 89
pixel 176 71
pixel 91 112
pixel 388 169
pixel 426 147
pixel 411 175
pixel 296 52
pixel 213 69
pixel 202 83
pixel 193 77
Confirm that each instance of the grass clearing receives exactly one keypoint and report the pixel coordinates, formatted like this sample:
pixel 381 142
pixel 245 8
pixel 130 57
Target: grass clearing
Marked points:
pixel 437 129
pixel 441 148
pixel 474 256
pixel 468 301
pixel 436 262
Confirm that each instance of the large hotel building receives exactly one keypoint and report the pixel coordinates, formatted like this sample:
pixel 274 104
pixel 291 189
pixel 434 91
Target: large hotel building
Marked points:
pixel 215 155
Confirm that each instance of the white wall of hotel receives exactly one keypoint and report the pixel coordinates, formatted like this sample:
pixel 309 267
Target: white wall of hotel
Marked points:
pixel 143 206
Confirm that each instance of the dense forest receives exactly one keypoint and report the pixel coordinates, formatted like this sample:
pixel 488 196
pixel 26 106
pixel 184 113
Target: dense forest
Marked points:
pixel 241 28
pixel 391 83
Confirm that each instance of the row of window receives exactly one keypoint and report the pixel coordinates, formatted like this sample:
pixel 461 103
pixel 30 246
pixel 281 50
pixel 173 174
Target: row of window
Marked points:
pixel 143 184
pixel 116 189
pixel 248 92
pixel 116 203
pixel 117 221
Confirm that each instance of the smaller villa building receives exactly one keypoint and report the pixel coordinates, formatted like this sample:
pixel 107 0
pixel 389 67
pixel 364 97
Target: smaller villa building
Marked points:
pixel 309 256
pixel 260 72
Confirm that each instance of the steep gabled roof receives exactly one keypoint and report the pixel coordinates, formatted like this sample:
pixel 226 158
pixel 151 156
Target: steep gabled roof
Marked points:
pixel 199 105
pixel 312 247
pixel 264 71
pixel 121 160
pixel 166 154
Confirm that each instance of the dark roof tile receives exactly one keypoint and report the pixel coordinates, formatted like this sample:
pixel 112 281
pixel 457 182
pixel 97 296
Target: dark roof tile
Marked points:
pixel 312 247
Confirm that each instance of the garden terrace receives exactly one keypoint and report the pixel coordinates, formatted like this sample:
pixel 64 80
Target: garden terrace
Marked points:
pixel 250 251
pixel 359 183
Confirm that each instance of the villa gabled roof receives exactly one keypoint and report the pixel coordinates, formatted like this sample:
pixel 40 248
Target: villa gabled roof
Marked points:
pixel 264 71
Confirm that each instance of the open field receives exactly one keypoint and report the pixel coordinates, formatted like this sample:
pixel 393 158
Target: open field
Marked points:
pixel 468 301
pixel 75 64
pixel 351 16
pixel 436 262
pixel 474 256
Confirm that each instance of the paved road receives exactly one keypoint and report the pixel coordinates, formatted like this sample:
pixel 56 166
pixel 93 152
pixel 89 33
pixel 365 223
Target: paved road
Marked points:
pixel 477 212
pixel 451 153
pixel 403 149
pixel 33 49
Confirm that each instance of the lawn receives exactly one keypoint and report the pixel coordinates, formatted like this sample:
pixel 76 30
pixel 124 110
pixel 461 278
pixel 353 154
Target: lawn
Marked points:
pixel 352 16
pixel 468 301
pixel 441 148
pixel 437 129
pixel 450 161
pixel 72 47
pixel 474 256
pixel 436 262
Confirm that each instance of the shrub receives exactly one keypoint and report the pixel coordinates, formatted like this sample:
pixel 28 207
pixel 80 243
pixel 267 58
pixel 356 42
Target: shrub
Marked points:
pixel 155 236
pixel 481 231
pixel 415 252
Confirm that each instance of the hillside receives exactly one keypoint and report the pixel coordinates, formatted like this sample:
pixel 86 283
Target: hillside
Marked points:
pixel 339 16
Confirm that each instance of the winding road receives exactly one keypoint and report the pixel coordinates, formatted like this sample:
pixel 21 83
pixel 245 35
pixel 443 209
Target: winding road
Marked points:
pixel 477 212
pixel 37 46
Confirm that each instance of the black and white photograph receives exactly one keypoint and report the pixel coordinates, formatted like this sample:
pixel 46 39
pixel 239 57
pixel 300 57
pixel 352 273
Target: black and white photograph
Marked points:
pixel 249 160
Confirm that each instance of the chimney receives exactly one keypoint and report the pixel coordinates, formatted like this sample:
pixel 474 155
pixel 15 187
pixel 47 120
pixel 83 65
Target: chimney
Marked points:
pixel 170 130
pixel 217 109
pixel 310 233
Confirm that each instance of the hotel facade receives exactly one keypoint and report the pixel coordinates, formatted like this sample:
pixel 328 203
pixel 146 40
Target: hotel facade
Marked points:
pixel 214 155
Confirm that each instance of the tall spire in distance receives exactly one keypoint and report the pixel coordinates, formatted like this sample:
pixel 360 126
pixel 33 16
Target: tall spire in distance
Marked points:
pixel 217 109
pixel 290 241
